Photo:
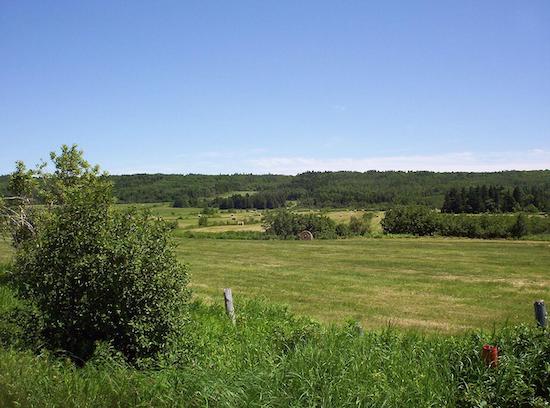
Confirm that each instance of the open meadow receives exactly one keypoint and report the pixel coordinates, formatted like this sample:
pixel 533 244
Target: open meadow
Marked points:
pixel 431 284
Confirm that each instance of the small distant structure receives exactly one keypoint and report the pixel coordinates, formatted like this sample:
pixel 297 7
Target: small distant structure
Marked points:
pixel 241 222
pixel 305 236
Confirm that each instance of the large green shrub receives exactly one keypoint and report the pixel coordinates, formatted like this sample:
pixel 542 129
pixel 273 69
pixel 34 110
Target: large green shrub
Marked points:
pixel 519 228
pixel 412 219
pixel 203 221
pixel 282 224
pixel 180 202
pixel 422 221
pixel 361 225
pixel 285 224
pixel 95 274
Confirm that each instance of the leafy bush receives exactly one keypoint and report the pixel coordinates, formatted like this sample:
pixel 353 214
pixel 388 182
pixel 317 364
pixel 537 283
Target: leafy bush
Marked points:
pixel 203 221
pixel 422 221
pixel 538 225
pixel 282 224
pixel 285 224
pixel 343 230
pixel 519 228
pixel 95 274
pixel 180 202
pixel 484 226
pixel 105 277
pixel 412 219
pixel 360 225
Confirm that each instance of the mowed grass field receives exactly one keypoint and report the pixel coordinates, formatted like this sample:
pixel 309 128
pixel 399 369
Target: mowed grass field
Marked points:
pixel 431 284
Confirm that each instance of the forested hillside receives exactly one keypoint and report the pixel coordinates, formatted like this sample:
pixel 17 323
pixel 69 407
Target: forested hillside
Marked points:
pixel 396 187
pixel 493 199
pixel 192 189
pixel 380 189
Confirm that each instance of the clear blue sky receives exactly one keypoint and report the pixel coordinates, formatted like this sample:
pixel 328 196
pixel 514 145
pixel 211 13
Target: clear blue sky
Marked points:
pixel 277 86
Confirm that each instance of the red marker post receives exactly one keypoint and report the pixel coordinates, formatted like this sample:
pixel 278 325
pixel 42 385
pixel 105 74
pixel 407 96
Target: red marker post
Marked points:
pixel 489 354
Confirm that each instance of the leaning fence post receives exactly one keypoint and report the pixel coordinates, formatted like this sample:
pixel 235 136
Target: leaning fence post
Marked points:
pixel 540 313
pixel 228 297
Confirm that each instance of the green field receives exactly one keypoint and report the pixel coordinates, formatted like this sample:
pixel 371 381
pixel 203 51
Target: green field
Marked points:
pixel 431 284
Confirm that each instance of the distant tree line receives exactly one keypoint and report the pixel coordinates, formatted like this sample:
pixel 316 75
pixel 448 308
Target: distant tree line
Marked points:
pixel 420 220
pixel 260 201
pixel 494 199
pixel 371 189
pixel 191 190
pixel 389 188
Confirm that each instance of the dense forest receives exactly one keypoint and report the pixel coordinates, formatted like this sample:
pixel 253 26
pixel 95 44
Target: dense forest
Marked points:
pixel 191 189
pixel 371 189
pixel 496 199
pixel 260 201
pixel 383 189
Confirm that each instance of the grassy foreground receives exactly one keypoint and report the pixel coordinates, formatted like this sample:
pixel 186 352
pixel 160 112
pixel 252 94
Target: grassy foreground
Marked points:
pixel 273 359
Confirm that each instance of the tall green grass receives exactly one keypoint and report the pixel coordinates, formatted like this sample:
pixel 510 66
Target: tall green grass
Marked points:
pixel 273 358
pixel 269 359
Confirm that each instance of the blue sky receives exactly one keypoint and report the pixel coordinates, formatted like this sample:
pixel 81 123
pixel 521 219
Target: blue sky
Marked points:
pixel 277 86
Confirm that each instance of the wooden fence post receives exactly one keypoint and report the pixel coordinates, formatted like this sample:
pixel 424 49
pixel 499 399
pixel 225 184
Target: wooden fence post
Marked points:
pixel 228 297
pixel 540 313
